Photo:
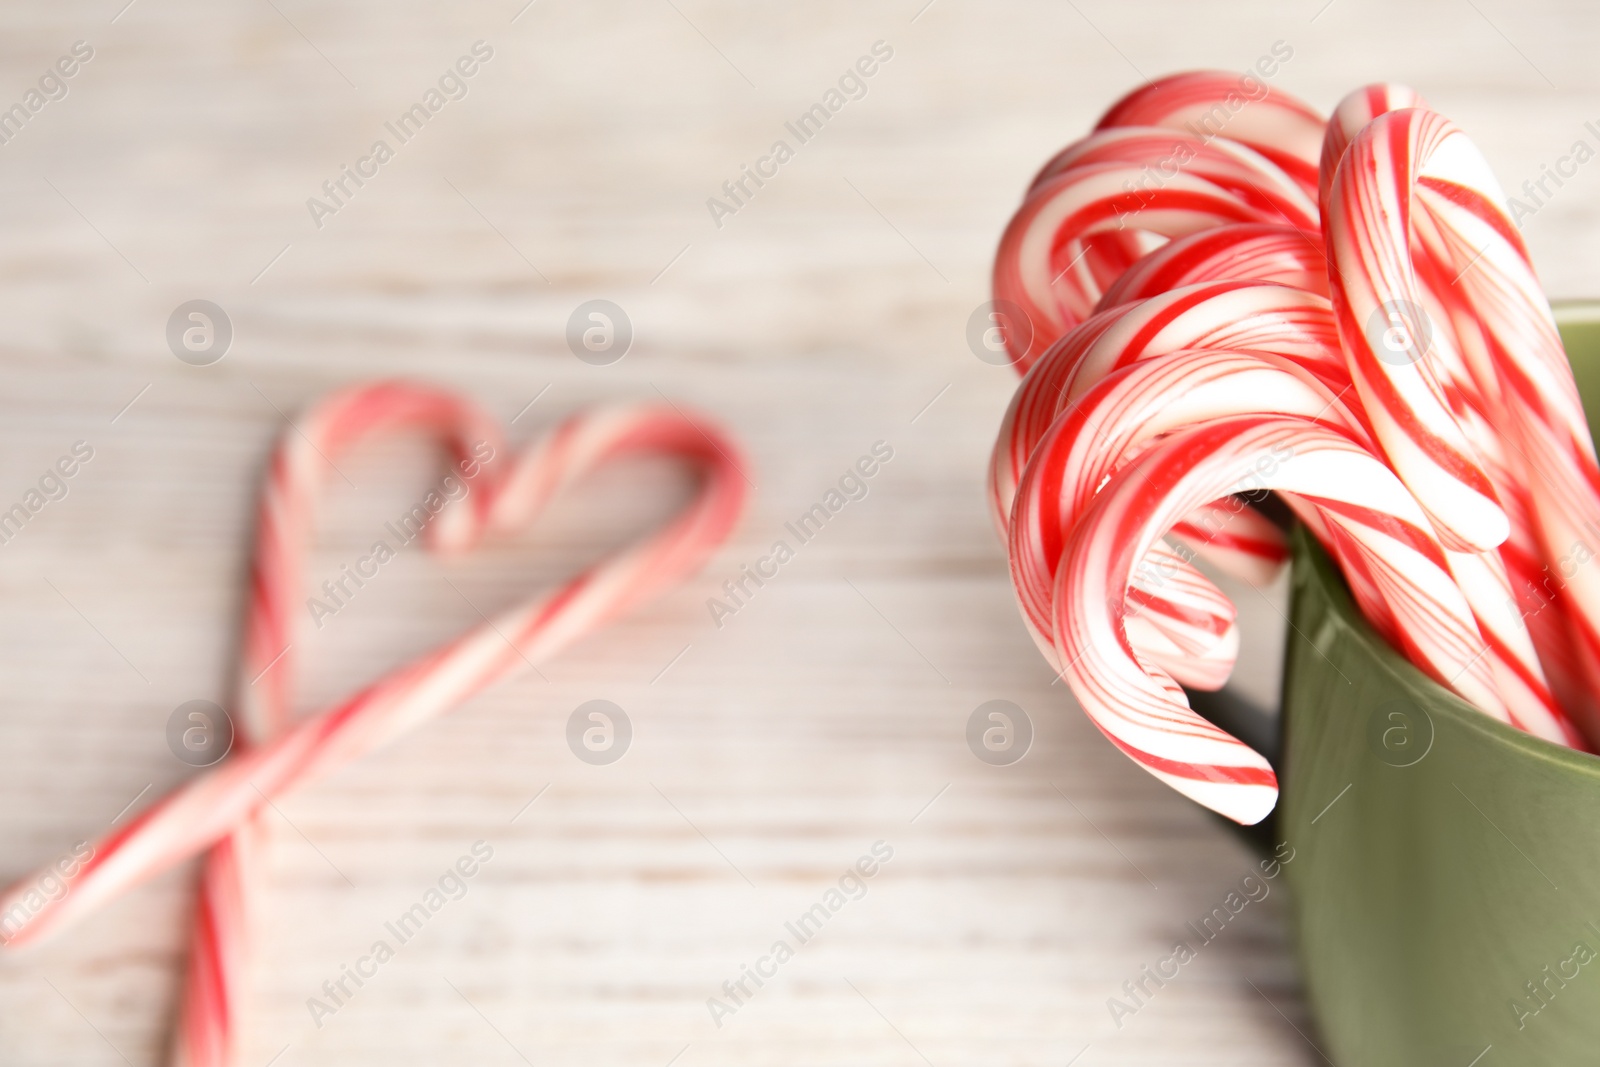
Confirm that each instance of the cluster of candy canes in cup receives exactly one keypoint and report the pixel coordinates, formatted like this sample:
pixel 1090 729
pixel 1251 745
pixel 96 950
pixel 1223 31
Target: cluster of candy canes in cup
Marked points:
pixel 1339 311
pixel 220 813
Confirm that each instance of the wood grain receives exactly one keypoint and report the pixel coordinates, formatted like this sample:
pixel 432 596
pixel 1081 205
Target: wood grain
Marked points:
pixel 828 714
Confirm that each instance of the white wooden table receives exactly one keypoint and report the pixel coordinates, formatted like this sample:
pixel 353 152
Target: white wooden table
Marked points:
pixel 826 314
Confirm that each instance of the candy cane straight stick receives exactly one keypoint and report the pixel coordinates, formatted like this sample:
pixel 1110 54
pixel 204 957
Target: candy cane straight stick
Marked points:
pixel 209 809
pixel 1497 324
pixel 1514 354
pixel 1376 296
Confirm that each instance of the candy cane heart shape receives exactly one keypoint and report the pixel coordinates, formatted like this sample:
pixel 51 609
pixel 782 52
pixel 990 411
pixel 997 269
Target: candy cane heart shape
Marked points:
pixel 1140 709
pixel 1039 266
pixel 221 948
pixel 1378 304
pixel 1110 425
pixel 302 462
pixel 215 808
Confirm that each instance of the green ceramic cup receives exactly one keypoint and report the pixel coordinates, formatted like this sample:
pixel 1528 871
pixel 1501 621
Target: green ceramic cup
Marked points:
pixel 1446 881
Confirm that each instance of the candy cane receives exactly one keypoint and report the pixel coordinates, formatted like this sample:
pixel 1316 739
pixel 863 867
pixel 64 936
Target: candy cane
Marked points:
pixel 1216 104
pixel 1097 259
pixel 1378 305
pixel 1219 315
pixel 217 810
pixel 1112 423
pixel 1160 153
pixel 1481 502
pixel 1545 475
pixel 1041 266
pixel 1319 469
pixel 1224 316
pixel 221 946
pixel 1352 115
pixel 1495 321
pixel 1252 252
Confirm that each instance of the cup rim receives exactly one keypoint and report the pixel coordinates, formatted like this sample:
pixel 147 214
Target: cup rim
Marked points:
pixel 1435 699
pixel 1575 311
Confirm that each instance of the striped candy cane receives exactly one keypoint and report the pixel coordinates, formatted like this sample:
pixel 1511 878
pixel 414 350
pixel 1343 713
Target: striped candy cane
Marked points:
pixel 1182 154
pixel 1125 411
pixel 1252 252
pixel 1043 268
pixel 1218 315
pixel 217 812
pixel 1384 326
pixel 1223 316
pixel 1208 318
pixel 1498 369
pixel 1352 115
pixel 1110 425
pixel 1319 470
pixel 1217 104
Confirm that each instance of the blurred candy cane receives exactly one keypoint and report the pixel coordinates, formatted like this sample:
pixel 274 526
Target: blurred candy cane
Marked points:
pixel 217 811
pixel 222 942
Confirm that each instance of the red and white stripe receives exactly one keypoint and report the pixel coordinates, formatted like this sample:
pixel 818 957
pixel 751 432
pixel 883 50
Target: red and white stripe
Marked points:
pixel 1110 425
pixel 1043 266
pixel 1243 252
pixel 1214 103
pixel 217 812
pixel 1316 468
pixel 1373 283
pixel 1448 488
pixel 1414 208
pixel 1183 154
